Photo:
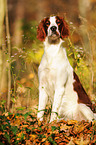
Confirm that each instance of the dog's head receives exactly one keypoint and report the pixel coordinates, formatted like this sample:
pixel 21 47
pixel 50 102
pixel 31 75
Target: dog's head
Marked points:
pixel 54 28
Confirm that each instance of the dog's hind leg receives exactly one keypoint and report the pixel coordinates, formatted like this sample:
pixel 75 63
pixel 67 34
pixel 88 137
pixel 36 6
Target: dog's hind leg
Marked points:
pixel 87 112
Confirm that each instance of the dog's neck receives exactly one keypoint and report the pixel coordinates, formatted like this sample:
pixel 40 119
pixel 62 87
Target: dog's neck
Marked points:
pixel 52 49
pixel 54 53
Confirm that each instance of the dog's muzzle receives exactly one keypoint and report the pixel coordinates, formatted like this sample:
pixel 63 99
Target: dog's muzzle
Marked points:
pixel 54 35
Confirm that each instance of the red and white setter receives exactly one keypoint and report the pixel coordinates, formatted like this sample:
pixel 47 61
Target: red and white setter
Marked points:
pixel 57 80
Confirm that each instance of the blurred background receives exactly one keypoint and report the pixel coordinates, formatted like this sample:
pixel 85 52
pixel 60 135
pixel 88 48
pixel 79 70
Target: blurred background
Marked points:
pixel 21 52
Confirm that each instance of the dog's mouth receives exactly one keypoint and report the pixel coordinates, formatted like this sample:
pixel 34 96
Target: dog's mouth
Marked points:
pixel 55 34
pixel 54 38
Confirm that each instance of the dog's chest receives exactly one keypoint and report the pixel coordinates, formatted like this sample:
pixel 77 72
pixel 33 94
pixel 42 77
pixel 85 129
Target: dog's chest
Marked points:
pixel 48 72
pixel 47 76
pixel 50 75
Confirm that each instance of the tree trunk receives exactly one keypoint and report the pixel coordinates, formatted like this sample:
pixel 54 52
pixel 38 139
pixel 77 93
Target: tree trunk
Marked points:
pixel 3 64
pixel 19 16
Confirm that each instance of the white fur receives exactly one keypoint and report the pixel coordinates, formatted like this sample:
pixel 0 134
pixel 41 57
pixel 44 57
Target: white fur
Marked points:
pixel 52 23
pixel 56 83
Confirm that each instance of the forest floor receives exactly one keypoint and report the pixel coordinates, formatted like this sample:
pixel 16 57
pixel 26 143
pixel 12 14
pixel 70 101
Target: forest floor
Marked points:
pixel 25 129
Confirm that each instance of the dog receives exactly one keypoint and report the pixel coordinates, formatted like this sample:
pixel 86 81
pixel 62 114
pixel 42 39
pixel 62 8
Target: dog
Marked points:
pixel 57 80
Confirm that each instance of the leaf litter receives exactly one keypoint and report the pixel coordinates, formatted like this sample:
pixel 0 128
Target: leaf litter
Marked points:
pixel 25 129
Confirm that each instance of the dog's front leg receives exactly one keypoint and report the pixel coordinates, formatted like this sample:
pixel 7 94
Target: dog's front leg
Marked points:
pixel 43 98
pixel 59 92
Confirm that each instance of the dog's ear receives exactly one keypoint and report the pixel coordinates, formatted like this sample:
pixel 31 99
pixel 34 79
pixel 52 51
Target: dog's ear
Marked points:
pixel 64 28
pixel 41 34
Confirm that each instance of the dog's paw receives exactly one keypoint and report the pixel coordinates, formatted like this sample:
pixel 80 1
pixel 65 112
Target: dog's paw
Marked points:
pixel 39 116
pixel 53 117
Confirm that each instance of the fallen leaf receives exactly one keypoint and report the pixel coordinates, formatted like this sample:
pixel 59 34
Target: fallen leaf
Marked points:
pixel 43 140
pixel 81 141
pixel 71 142
pixel 72 122
pixel 32 136
pixel 64 127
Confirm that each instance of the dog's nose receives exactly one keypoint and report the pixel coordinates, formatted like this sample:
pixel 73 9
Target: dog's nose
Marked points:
pixel 53 28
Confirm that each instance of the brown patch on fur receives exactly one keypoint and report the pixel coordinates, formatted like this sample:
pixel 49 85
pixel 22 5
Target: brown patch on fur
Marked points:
pixel 63 27
pixel 42 29
pixel 82 95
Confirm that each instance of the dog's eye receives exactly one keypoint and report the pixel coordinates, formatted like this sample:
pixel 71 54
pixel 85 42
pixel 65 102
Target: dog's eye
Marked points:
pixel 58 22
pixel 47 23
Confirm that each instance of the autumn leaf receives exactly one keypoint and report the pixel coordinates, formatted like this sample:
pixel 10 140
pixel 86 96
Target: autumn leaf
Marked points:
pixel 81 141
pixel 32 136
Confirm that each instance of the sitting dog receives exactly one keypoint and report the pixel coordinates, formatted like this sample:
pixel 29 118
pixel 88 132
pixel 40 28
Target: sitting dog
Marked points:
pixel 57 80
